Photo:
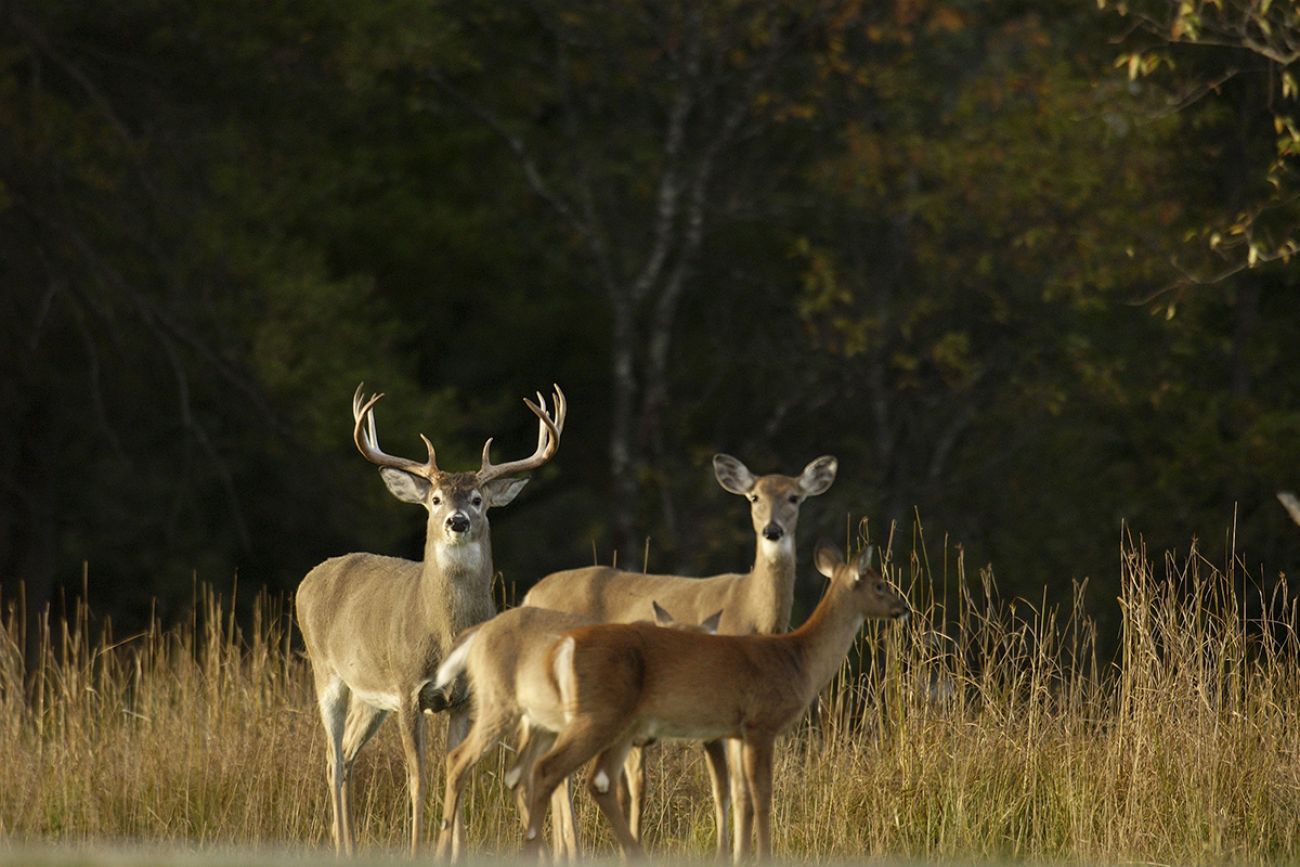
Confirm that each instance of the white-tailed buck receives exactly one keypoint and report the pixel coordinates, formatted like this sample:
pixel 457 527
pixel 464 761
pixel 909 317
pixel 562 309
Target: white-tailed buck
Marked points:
pixel 377 627
pixel 505 660
pixel 758 601
pixel 620 683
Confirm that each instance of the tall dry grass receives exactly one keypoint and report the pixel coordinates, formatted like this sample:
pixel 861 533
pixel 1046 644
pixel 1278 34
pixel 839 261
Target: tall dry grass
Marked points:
pixel 981 729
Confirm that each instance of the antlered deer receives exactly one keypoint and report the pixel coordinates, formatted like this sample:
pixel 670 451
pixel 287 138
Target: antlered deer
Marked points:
pixel 377 627
pixel 758 601
pixel 623 682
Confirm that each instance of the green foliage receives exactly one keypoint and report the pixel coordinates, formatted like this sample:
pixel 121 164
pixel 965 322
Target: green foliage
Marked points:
pixel 950 242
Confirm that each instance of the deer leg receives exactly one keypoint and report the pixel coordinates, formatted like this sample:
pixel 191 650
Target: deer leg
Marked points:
pixel 742 808
pixel 564 828
pixel 757 753
pixel 458 721
pixel 332 697
pixel 633 777
pixel 716 753
pixel 580 741
pixel 603 784
pixel 533 743
pixel 363 721
pixel 487 729
pixel 410 722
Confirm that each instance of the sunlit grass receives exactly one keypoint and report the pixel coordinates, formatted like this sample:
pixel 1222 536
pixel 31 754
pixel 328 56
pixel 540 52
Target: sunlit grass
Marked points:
pixel 981 729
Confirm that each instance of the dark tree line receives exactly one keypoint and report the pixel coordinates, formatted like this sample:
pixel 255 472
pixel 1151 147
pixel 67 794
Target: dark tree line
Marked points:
pixel 1018 290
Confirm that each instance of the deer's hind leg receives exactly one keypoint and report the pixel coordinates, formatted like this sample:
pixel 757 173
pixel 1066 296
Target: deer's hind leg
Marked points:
pixel 580 741
pixel 491 723
pixel 603 783
pixel 534 742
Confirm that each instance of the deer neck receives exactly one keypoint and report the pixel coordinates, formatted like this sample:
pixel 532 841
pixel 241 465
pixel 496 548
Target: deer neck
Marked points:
pixel 771 585
pixel 456 585
pixel 825 638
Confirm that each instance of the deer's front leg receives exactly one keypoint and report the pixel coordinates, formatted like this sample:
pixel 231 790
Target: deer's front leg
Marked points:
pixel 411 723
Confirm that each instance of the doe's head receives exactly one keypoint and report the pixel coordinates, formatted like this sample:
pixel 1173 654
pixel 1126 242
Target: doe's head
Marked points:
pixel 871 595
pixel 774 500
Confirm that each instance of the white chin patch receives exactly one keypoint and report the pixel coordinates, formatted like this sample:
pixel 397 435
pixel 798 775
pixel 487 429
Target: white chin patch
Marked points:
pixel 783 547
pixel 601 782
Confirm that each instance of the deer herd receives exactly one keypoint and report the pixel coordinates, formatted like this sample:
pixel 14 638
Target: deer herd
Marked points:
pixel 593 667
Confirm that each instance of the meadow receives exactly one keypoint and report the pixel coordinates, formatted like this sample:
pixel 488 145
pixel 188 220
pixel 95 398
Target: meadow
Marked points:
pixel 983 729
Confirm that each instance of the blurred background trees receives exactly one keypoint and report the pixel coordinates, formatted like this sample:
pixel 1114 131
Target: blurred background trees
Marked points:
pixel 1023 267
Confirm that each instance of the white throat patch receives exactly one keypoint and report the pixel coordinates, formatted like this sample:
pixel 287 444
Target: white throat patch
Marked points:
pixel 459 558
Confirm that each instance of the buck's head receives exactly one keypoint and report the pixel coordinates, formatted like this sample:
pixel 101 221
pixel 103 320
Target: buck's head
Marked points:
pixel 864 589
pixel 457 502
pixel 774 500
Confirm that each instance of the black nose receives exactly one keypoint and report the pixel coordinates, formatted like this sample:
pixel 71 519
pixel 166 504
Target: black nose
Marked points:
pixel 458 523
pixel 773 532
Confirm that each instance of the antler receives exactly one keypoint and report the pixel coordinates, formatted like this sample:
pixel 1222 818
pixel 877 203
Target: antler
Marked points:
pixel 548 440
pixel 367 440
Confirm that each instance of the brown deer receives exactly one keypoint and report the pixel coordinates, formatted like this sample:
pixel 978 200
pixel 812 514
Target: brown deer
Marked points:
pixel 504 660
pixel 620 683
pixel 377 627
pixel 758 601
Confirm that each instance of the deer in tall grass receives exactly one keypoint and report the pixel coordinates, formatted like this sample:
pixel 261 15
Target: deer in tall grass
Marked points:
pixel 620 683
pixel 504 660
pixel 377 627
pixel 758 601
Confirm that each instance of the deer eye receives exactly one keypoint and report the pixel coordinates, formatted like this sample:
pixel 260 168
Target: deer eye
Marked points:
pixel 753 498
pixel 437 500
pixel 794 498
pixel 477 501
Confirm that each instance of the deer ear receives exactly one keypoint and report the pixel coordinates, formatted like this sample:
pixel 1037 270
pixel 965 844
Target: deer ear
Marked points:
pixel 404 486
pixel 662 617
pixel 500 492
pixel 734 476
pixel 826 558
pixel 818 475
pixel 710 624
pixel 865 559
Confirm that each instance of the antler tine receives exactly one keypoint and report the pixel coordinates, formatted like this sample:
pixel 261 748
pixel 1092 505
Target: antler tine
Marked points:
pixel 358 411
pixel 366 437
pixel 548 439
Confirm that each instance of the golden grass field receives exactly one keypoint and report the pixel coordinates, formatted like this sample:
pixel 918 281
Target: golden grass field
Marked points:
pixel 983 729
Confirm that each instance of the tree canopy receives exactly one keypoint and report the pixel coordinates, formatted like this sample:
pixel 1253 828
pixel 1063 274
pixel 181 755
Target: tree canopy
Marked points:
pixel 1023 267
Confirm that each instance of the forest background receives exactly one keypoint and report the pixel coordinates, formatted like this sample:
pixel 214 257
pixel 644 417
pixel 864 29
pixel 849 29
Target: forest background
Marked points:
pixel 1024 267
